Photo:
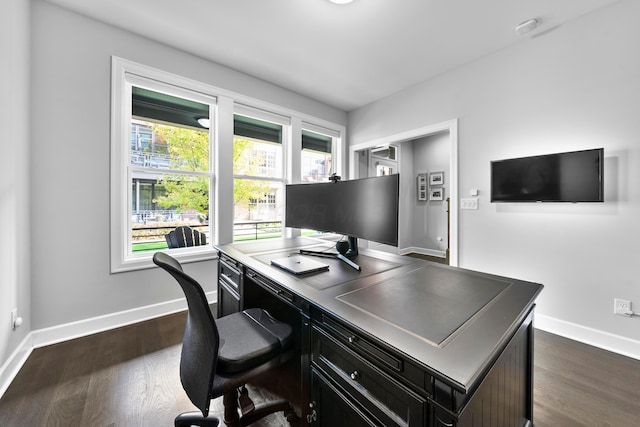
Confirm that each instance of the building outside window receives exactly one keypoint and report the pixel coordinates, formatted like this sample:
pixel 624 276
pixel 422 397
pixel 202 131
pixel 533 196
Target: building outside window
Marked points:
pixel 259 176
pixel 316 157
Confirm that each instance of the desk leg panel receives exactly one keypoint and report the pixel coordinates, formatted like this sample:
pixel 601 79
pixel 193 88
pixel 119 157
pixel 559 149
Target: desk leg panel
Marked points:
pixel 504 396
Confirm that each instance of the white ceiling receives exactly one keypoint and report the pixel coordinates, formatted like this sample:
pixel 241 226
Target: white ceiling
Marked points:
pixel 344 55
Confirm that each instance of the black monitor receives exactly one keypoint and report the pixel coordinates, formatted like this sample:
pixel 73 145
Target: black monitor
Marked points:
pixel 361 208
pixel 575 176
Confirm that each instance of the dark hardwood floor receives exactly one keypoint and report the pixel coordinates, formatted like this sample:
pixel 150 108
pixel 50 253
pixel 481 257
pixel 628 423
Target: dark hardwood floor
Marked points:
pixel 129 377
pixel 579 385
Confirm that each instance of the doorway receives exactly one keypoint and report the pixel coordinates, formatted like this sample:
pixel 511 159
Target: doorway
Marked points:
pixel 386 154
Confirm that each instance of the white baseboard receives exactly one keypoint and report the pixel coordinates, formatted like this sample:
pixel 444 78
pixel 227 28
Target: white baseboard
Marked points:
pixel 594 337
pixel 81 328
pixel 68 331
pixel 423 251
pixel 12 365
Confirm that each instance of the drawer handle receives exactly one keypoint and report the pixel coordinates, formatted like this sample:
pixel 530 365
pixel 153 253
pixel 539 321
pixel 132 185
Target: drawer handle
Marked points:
pixel 354 375
pixel 352 339
pixel 313 415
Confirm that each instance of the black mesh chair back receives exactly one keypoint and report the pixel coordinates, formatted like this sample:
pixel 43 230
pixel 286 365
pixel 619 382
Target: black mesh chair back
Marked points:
pixel 220 356
pixel 201 339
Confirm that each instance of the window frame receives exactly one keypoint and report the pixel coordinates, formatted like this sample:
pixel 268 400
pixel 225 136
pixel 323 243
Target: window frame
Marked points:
pixel 125 75
pixel 285 160
pixel 336 146
pixel 227 103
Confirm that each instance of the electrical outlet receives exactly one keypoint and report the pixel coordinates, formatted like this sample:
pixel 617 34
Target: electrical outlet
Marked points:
pixel 622 307
pixel 469 203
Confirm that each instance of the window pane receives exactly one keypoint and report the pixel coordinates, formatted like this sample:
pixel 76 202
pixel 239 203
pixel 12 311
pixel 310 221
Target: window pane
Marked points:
pixel 156 145
pixel 165 135
pixel 258 209
pixel 257 148
pixel 160 206
pixel 316 161
pixel 257 158
pixel 316 166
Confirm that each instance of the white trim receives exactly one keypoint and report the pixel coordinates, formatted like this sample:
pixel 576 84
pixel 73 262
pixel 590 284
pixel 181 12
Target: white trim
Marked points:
pixel 42 337
pixel 81 328
pixel 334 133
pixel 260 114
pixel 594 337
pixel 68 331
pixel 14 363
pixel 450 126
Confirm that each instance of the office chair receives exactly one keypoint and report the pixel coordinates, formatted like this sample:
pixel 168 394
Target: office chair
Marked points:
pixel 185 236
pixel 219 356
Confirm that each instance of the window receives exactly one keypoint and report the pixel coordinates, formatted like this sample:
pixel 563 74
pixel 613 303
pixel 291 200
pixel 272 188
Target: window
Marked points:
pixel 225 178
pixel 316 157
pixel 162 167
pixel 259 173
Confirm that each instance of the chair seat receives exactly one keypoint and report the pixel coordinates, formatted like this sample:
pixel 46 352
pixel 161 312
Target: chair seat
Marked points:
pixel 250 338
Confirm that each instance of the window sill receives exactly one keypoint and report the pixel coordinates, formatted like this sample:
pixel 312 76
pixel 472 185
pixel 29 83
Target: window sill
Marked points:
pixel 184 255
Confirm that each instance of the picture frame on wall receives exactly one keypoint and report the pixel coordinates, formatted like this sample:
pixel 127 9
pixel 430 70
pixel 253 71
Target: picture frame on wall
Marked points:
pixel 436 178
pixel 436 194
pixel 422 186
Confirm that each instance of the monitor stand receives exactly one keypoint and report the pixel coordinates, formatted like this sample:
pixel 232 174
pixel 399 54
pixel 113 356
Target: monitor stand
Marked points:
pixel 353 243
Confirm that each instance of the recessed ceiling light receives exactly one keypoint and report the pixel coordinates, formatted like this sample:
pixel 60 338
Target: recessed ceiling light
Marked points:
pixel 340 1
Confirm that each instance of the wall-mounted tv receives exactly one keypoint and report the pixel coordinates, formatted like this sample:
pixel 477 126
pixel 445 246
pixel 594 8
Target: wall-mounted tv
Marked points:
pixel 575 176
pixel 365 208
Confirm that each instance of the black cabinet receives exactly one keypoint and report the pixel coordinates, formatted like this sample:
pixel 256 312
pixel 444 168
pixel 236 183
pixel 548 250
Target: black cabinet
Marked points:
pixel 373 394
pixel 330 407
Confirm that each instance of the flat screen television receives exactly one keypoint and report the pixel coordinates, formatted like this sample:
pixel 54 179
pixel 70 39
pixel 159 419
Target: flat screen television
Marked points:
pixel 575 176
pixel 361 208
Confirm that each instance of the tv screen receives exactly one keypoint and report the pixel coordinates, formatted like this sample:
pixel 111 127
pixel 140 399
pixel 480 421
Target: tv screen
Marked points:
pixel 365 208
pixel 563 177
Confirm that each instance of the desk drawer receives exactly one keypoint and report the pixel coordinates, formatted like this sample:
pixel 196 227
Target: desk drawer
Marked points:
pixel 229 270
pixel 386 399
pixel 275 288
pixel 377 355
pixel 354 340
pixel 228 298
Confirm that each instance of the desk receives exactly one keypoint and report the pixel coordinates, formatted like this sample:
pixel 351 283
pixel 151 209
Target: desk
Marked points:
pixel 402 342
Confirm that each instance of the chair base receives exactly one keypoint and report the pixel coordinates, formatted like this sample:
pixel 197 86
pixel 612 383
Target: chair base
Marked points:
pixel 253 412
pixel 250 412
pixel 189 419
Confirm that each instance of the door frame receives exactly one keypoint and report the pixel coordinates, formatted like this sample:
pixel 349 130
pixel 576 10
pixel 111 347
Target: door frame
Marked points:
pixel 450 126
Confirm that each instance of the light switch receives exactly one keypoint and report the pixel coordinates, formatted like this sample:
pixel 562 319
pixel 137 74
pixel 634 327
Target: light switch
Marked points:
pixel 470 203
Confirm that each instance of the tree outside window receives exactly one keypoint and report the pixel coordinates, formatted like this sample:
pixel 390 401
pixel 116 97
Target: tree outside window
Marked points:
pixel 258 178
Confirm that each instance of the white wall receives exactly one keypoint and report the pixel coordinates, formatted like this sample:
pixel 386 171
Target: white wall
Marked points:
pixel 430 154
pixel 15 287
pixel 574 87
pixel 70 163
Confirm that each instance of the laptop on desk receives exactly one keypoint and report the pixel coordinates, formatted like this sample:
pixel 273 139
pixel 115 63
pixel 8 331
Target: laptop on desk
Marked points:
pixel 299 265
